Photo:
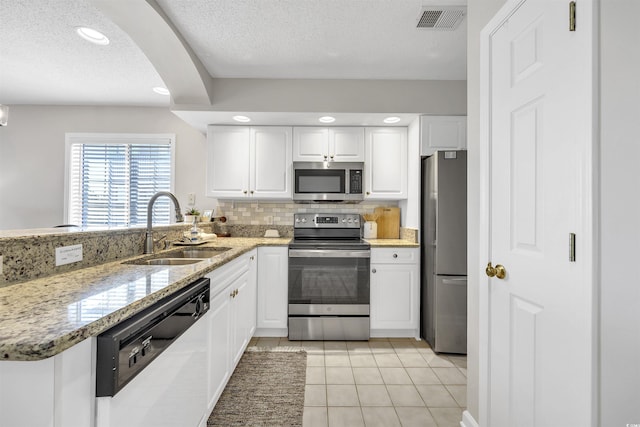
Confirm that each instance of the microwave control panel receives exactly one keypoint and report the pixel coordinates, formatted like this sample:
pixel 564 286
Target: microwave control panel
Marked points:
pixel 355 181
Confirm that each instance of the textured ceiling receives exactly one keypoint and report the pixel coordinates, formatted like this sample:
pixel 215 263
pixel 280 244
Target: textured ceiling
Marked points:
pixel 43 61
pixel 325 39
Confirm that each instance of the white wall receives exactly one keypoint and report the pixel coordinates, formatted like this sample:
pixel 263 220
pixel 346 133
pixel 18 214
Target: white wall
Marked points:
pixel 619 213
pixel 478 13
pixel 32 162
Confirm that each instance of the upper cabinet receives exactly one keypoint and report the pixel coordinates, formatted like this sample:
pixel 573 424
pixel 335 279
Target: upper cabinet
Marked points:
pixel 338 144
pixel 442 133
pixel 386 163
pixel 249 161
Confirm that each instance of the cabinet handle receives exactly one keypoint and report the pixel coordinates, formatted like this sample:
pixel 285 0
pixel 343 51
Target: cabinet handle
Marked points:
pixel 373 270
pixel 232 295
pixel 325 157
pixel 251 191
pixel 331 157
pixel 251 257
pixel 395 255
pixel 245 191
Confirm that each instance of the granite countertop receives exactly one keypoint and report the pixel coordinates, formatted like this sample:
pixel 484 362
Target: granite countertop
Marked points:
pixel 392 243
pixel 43 317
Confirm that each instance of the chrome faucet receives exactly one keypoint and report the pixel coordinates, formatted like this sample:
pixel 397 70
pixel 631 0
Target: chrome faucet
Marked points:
pixel 148 245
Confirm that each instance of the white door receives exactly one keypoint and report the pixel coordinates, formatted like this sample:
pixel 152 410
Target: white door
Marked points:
pixel 539 316
pixel 228 151
pixel 310 144
pixel 346 144
pixel 270 162
pixel 386 163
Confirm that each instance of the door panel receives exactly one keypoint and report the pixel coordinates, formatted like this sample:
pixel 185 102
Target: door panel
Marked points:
pixel 539 331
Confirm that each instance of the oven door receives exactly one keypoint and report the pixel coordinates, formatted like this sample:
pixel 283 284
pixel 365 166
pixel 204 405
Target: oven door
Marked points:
pixel 330 282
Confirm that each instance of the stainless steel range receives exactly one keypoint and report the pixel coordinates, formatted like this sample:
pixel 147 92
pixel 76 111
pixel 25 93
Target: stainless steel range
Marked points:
pixel 328 278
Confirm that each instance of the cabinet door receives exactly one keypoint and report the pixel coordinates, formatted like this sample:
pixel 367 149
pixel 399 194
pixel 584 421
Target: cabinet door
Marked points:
pixel 346 144
pixel 228 150
pixel 241 315
pixel 219 344
pixel 442 133
pixel 394 296
pixel 270 164
pixel 386 167
pixel 310 144
pixel 273 266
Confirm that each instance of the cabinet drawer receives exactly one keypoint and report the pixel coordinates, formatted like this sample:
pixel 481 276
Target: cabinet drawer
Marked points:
pixel 395 255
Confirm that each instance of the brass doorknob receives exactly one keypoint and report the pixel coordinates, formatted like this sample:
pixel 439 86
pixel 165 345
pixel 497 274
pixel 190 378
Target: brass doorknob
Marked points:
pixel 498 271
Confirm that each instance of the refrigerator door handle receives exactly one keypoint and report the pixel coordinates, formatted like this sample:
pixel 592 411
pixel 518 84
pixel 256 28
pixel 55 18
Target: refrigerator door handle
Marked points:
pixel 453 281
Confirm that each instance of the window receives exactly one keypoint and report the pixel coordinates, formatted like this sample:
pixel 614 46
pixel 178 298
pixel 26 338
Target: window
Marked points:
pixel 111 177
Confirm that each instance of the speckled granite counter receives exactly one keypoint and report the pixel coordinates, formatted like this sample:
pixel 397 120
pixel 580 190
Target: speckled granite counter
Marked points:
pixel 45 316
pixel 392 243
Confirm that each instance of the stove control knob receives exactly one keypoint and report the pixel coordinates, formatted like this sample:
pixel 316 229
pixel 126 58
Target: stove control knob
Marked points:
pixel 304 219
pixel 350 220
pixel 355 220
pixel 344 219
pixel 297 219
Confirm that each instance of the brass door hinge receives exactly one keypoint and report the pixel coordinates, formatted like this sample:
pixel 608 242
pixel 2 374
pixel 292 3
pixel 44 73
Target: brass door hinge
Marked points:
pixel 572 16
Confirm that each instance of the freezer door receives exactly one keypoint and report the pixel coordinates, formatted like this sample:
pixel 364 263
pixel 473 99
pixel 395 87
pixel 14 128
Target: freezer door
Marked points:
pixel 451 314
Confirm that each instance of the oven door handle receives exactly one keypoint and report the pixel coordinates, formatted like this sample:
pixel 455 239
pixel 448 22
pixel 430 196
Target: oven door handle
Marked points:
pixel 329 253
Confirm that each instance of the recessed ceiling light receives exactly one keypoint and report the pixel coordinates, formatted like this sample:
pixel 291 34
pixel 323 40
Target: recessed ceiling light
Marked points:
pixel 241 119
pixel 92 35
pixel 161 90
pixel 391 120
pixel 327 119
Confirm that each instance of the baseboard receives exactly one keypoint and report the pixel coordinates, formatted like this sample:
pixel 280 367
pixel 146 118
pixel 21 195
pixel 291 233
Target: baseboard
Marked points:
pixel 271 332
pixel 467 420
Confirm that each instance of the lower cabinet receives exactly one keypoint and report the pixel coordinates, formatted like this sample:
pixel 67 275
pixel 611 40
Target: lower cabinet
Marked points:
pixel 273 266
pixel 57 392
pixel 395 292
pixel 232 320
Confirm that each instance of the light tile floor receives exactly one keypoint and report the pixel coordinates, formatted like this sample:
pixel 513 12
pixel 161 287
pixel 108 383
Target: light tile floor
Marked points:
pixel 382 382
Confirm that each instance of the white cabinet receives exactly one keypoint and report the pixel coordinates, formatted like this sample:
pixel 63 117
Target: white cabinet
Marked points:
pixel 395 292
pixel 442 133
pixel 273 264
pixel 232 319
pixel 249 161
pixel 386 163
pixel 58 391
pixel 338 144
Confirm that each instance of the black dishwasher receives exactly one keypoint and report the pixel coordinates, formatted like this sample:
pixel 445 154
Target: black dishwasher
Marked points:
pixel 124 350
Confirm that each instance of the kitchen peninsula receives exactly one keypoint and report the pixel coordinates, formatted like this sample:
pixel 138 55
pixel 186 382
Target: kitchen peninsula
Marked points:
pixel 49 324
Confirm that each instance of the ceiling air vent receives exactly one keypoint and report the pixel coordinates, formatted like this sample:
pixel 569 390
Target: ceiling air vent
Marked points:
pixel 440 18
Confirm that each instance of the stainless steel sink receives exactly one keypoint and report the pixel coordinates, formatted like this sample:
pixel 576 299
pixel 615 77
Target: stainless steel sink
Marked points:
pixel 195 253
pixel 179 256
pixel 166 261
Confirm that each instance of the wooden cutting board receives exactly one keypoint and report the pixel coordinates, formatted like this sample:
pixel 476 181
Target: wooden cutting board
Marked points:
pixel 388 222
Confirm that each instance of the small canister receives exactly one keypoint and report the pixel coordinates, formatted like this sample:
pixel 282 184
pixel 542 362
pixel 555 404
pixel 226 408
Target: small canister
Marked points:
pixel 370 230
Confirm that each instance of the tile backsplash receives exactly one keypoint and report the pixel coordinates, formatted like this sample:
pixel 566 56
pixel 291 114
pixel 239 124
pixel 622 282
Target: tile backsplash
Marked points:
pixel 270 213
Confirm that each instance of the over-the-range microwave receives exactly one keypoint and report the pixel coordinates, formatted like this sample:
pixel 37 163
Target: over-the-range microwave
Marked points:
pixel 328 182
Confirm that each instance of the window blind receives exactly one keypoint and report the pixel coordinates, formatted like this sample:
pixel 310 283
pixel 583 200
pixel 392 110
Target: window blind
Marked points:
pixel 110 184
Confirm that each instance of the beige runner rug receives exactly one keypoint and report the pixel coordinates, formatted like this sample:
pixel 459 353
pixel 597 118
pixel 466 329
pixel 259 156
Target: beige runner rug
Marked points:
pixel 266 389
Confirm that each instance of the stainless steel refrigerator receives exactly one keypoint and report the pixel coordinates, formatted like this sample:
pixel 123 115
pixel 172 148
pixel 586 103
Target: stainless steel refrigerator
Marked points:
pixel 444 251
